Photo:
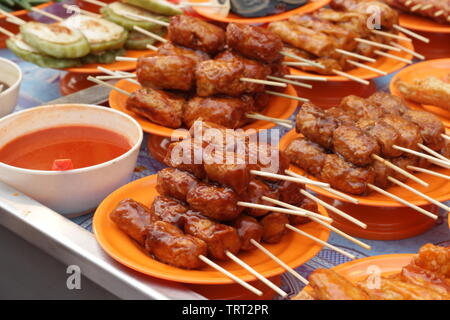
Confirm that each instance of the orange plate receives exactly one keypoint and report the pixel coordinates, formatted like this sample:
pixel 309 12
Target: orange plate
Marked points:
pixel 357 270
pixel 439 68
pixel 278 107
pixel 293 249
pixel 419 23
pixel 438 189
pixel 383 63
pixel 311 6
pixel 115 66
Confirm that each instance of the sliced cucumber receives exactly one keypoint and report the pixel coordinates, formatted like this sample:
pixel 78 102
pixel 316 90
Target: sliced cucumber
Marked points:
pixel 27 53
pixel 116 12
pixel 55 40
pixel 101 34
pixel 103 57
pixel 158 6
pixel 139 41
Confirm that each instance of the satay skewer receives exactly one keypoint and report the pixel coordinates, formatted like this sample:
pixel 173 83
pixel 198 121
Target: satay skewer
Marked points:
pixel 391 35
pixel 326 225
pixel 326 244
pixel 439 162
pixel 415 54
pixel 355 55
pixel 430 172
pixel 230 275
pixel 432 152
pixel 411 33
pixel 256 274
pixel 403 201
pixel 377 44
pixel 301 59
pixel 280 262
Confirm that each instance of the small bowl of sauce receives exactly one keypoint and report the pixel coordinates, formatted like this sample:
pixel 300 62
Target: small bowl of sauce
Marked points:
pixel 10 79
pixel 68 157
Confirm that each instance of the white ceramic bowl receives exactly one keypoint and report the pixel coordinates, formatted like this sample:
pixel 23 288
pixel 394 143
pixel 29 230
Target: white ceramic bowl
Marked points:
pixel 78 191
pixel 11 75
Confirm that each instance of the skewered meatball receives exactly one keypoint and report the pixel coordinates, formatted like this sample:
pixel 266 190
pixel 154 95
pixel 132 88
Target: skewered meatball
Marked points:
pixel 389 103
pixel 431 127
pixel 214 202
pixel 175 183
pixel 224 111
pixel 360 108
pixel 254 42
pixel 408 131
pixel 382 172
pixel 290 192
pixel 220 77
pixel 196 34
pixel 170 245
pixel 385 135
pixel 186 155
pixel 344 176
pixel 265 157
pixel 166 72
pixel 169 49
pixel 169 210
pixel 255 190
pixel 306 204
pixel 274 227
pixel 307 155
pixel 248 228
pixel 132 218
pixel 219 238
pixel 158 106
pixel 354 145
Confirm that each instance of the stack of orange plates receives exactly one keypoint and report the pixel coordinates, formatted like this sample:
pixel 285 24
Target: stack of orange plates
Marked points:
pixel 330 93
pixel 294 249
pixel 437 33
pixel 439 68
pixel 309 7
pixel 386 219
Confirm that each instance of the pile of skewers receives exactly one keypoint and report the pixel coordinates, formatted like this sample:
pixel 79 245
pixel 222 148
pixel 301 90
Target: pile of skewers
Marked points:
pixel 203 71
pixel 370 144
pixel 438 11
pixel 213 209
pixel 426 277
pixel 338 39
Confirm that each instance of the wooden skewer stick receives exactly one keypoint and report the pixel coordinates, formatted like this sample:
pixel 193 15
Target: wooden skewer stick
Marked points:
pixel 116 76
pixel 326 244
pixel 446 137
pixel 300 180
pixel 97 3
pixel 157 21
pixel 360 65
pixel 391 35
pixel 432 152
pixel 72 8
pixel 280 262
pixel 47 14
pixel 7 32
pixel 287 121
pixel 430 172
pixel 426 7
pixel 298 212
pixel 265 82
pixel 287 96
pixel 306 78
pixel 439 13
pixel 295 57
pixel 388 55
pixel 403 201
pixel 351 77
pixel 408 3
pixel 256 274
pixel 400 170
pixel 420 194
pixel 12 17
pixel 296 64
pixel 415 54
pixel 326 225
pixel 120 58
pixel 416 7
pixel 329 189
pixel 334 209
pixel 113 73
pixel 355 55
pixel 295 83
pixel 258 116
pixel 230 275
pixel 411 33
pixel 100 82
pixel 436 161
pixel 150 34
pixel 152 47
pixel 377 44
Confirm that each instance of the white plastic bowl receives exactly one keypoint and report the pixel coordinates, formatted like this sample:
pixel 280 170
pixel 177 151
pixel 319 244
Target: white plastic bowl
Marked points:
pixel 77 191
pixel 11 75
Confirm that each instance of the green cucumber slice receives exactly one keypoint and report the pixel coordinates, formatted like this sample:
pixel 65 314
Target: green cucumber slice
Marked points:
pixel 27 53
pixel 55 40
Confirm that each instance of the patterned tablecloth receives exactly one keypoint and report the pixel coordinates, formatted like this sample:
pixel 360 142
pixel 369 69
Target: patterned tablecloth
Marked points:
pixel 42 85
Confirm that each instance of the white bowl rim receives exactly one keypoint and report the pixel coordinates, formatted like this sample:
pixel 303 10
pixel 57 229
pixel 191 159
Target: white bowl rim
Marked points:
pixel 19 79
pixel 137 145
